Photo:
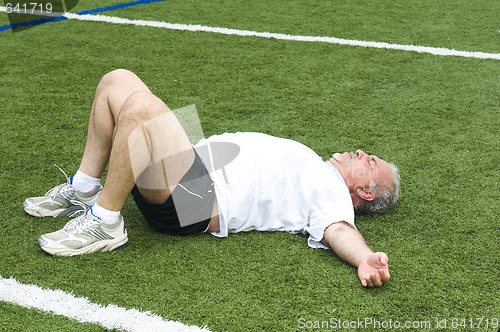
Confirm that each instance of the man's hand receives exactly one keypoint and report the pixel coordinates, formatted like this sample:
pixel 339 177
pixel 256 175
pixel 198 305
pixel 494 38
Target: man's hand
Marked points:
pixel 350 246
pixel 373 270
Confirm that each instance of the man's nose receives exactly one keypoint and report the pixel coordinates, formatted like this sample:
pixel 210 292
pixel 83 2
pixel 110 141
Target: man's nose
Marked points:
pixel 360 154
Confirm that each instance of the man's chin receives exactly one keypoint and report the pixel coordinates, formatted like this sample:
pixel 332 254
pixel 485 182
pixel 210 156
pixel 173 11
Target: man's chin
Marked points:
pixel 338 157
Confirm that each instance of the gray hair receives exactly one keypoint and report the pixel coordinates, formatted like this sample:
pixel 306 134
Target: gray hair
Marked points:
pixel 385 197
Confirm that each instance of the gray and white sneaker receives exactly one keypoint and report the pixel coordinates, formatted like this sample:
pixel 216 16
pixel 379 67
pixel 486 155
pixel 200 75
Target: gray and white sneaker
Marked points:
pixel 85 234
pixel 61 201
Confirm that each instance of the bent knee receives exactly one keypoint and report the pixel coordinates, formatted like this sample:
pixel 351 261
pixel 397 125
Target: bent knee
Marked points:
pixel 117 76
pixel 142 106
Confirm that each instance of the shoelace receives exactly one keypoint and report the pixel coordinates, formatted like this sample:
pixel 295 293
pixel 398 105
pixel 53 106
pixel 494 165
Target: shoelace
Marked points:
pixel 52 193
pixel 83 221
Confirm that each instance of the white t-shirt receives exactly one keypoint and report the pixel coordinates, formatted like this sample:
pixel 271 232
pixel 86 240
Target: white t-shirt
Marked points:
pixel 266 183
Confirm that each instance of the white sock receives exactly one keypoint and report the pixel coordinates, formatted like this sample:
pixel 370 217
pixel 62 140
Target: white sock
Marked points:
pixel 108 217
pixel 85 183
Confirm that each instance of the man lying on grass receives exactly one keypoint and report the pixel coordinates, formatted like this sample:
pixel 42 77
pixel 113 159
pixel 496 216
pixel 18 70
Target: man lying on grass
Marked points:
pixel 225 184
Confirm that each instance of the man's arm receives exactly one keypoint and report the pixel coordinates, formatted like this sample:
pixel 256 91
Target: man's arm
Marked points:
pixel 350 246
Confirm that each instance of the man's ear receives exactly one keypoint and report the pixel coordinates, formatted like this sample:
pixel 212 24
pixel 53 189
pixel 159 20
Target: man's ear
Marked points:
pixel 365 194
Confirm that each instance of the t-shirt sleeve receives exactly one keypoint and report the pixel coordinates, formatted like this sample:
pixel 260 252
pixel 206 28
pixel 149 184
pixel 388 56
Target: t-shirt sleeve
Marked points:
pixel 332 204
pixel 317 231
pixel 329 214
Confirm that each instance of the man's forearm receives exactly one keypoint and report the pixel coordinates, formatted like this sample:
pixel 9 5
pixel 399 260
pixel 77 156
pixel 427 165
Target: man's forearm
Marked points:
pixel 347 243
pixel 350 246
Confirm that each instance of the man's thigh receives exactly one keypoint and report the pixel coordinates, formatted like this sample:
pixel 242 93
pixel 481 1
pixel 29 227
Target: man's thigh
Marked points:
pixel 164 143
pixel 191 208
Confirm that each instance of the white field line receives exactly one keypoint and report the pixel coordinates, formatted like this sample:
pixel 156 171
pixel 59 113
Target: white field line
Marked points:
pixel 331 40
pixel 81 309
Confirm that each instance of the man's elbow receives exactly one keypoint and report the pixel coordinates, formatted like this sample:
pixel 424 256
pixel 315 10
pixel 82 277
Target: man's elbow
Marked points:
pixel 332 230
pixel 339 226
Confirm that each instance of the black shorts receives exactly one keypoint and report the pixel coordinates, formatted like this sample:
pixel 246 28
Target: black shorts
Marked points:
pixel 188 209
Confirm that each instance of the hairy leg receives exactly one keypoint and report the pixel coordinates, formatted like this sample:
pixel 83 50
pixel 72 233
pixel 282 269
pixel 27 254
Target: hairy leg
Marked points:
pixel 142 140
pixel 149 142
pixel 111 93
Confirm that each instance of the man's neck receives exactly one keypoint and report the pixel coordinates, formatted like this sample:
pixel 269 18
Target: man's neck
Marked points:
pixel 338 166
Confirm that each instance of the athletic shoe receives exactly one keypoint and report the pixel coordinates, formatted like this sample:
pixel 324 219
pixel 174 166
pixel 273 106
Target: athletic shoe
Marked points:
pixel 85 234
pixel 61 201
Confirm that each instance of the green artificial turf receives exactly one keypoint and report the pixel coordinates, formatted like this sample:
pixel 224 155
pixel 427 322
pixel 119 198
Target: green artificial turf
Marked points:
pixel 436 117
pixel 19 319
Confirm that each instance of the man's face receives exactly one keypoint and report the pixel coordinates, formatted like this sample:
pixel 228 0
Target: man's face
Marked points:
pixel 359 169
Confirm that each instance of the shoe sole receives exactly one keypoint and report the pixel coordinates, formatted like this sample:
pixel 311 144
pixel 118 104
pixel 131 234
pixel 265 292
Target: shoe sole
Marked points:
pixel 102 246
pixel 36 211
